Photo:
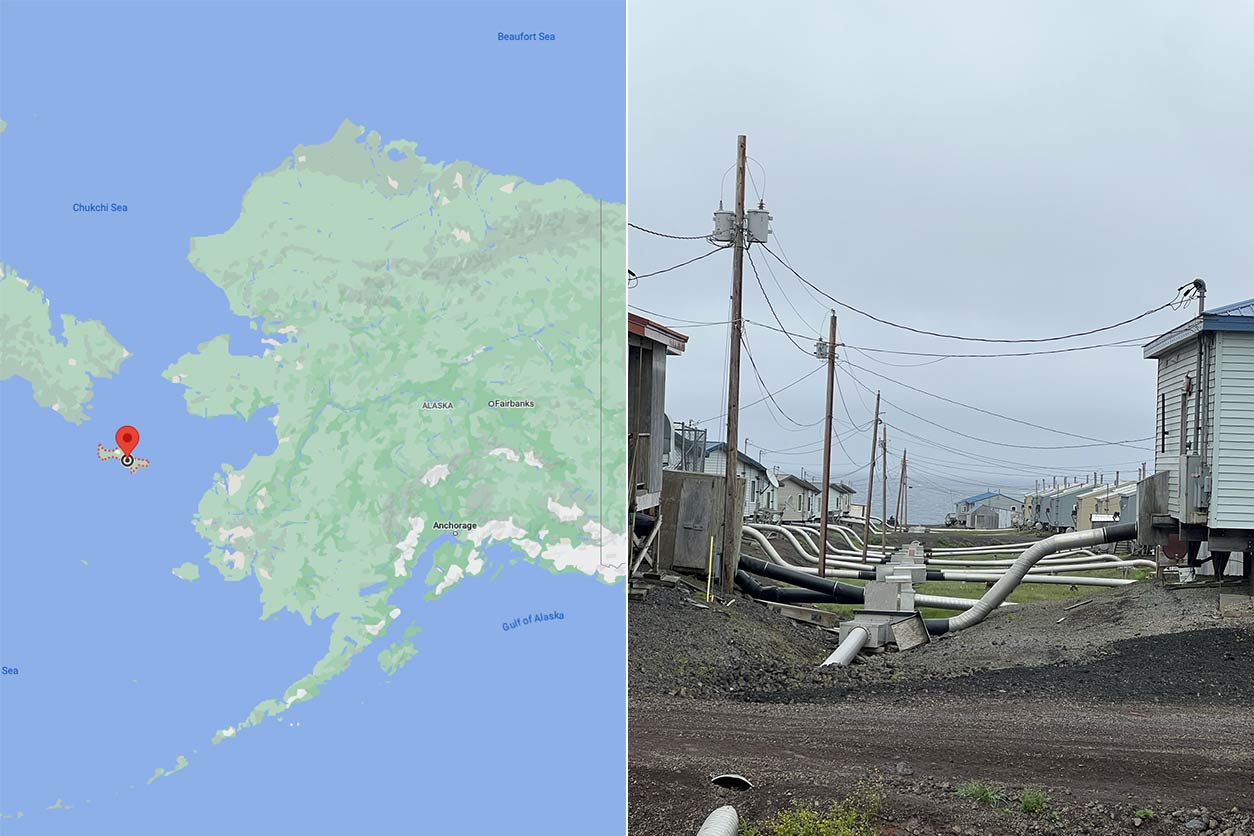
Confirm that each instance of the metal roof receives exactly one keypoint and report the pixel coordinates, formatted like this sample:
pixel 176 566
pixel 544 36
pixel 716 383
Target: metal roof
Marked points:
pixel 674 341
pixel 980 497
pixel 1239 316
pixel 812 488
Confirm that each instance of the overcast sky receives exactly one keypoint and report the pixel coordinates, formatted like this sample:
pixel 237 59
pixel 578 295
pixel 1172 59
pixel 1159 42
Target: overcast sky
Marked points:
pixel 978 168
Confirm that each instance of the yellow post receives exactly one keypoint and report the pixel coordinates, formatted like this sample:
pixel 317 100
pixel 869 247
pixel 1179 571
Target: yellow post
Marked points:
pixel 709 574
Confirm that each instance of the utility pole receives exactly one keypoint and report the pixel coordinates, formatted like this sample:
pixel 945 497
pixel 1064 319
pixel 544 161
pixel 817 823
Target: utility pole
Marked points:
pixel 731 517
pixel 870 480
pixel 901 492
pixel 829 351
pixel 884 492
pixel 905 480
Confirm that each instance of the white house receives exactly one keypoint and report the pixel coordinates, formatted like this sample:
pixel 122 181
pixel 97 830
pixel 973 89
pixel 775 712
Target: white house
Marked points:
pixel 799 500
pixel 760 484
pixel 839 499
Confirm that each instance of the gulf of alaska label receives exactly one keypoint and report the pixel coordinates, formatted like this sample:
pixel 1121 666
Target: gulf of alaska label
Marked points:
pixel 533 618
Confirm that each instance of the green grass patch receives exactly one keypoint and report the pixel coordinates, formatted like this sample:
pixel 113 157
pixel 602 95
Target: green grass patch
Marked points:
pixel 1033 801
pixel 981 792
pixel 853 816
pixel 1145 814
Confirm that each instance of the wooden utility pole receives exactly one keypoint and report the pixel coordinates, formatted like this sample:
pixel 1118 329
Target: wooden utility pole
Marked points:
pixel 870 480
pixel 901 492
pixel 884 492
pixel 731 516
pixel 905 480
pixel 830 350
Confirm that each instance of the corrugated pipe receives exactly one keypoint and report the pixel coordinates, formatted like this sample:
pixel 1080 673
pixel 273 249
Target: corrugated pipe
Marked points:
pixel 1015 574
pixel 722 822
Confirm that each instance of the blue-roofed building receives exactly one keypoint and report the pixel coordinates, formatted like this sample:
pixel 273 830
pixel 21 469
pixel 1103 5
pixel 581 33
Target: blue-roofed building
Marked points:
pixel 990 509
pixel 1204 436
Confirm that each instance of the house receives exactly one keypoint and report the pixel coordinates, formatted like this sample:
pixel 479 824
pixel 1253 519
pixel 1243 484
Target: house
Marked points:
pixel 799 500
pixel 1061 508
pixel 1202 489
pixel 993 499
pixel 760 483
pixel 648 429
pixel 986 511
pixel 1102 501
pixel 839 499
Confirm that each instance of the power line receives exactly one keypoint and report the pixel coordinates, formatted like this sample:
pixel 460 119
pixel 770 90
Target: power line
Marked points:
pixel 681 264
pixel 1131 341
pixel 666 235
pixel 990 441
pixel 754 365
pixel 772 307
pixel 994 414
pixel 691 323
pixel 810 373
pixel 964 338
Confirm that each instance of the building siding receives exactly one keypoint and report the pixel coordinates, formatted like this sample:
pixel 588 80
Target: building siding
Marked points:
pixel 1232 498
pixel 1172 369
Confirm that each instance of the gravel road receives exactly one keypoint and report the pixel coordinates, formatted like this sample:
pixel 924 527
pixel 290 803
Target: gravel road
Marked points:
pixel 1141 700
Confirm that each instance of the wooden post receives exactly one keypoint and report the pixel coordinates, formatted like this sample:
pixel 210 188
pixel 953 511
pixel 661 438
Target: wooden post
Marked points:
pixel 870 480
pixel 731 520
pixel 884 492
pixel 827 446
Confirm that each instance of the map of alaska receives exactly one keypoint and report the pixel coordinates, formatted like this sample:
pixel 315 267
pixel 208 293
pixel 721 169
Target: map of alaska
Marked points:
pixel 443 352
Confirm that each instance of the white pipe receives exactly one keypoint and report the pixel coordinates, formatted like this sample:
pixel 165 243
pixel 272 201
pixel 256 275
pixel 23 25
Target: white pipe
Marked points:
pixel 847 650
pixel 971 576
pixel 1002 588
pixel 1068 580
pixel 943 602
pixel 722 822
pixel 797 529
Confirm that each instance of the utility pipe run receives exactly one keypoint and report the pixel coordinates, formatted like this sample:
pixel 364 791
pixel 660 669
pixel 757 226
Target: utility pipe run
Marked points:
pixel 848 650
pixel 854 569
pixel 1015 574
pixel 722 822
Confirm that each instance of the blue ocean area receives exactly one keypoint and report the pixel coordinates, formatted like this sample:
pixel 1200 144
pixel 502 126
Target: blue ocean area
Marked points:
pixel 173 109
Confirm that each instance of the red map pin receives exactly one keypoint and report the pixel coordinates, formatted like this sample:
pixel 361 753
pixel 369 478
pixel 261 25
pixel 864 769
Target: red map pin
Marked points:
pixel 127 437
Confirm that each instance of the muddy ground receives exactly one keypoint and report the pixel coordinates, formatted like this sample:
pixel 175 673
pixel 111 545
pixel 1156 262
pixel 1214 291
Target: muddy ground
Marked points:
pixel 1141 700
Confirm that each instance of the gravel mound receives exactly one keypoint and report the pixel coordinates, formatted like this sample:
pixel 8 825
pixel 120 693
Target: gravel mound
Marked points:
pixel 677 648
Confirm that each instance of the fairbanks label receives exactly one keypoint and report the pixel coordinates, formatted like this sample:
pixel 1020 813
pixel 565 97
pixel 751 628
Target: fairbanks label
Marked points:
pixel 511 404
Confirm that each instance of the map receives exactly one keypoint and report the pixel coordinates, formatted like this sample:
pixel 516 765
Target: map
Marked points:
pixel 312 342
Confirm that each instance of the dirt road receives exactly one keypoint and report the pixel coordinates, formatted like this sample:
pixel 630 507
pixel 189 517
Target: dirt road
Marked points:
pixel 1143 701
pixel 1158 759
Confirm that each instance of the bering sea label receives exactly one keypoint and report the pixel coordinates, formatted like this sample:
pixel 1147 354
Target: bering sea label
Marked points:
pixel 533 618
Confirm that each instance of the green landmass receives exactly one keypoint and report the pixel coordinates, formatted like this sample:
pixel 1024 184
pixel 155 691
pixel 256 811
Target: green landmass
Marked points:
pixel 381 286
pixel 187 571
pixel 160 772
pixel 59 369
pixel 393 658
